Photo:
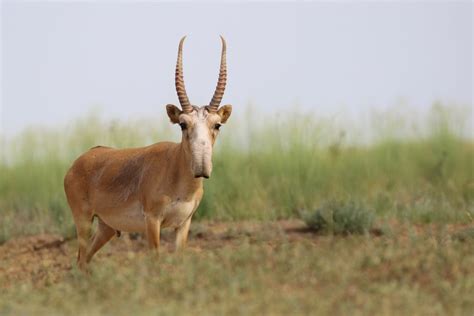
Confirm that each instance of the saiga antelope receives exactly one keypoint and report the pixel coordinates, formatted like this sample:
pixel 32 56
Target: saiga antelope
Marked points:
pixel 148 188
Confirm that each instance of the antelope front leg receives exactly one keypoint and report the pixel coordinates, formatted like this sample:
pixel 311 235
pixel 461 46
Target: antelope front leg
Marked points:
pixel 153 225
pixel 182 235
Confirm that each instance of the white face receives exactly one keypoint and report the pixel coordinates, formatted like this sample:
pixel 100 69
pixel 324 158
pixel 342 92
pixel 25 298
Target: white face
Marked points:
pixel 200 128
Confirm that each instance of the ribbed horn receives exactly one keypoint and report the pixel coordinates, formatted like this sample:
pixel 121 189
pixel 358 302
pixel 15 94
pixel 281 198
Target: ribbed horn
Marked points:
pixel 179 80
pixel 219 93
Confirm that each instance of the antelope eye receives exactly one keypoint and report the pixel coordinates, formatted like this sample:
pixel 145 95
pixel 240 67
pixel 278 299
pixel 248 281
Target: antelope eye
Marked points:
pixel 217 126
pixel 183 126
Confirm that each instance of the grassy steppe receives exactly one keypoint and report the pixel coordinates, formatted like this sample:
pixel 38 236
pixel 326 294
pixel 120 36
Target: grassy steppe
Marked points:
pixel 414 182
pixel 264 168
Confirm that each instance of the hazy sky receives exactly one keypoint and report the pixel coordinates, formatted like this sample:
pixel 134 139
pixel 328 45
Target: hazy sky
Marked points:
pixel 61 59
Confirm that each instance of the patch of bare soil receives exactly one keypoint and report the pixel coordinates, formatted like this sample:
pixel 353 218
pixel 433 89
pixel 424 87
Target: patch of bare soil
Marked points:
pixel 40 259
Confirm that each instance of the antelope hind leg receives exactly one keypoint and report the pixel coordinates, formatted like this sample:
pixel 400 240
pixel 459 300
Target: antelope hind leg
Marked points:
pixel 103 234
pixel 83 223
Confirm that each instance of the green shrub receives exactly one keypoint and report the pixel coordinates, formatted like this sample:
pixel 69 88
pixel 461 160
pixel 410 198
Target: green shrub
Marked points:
pixel 341 218
pixel 466 234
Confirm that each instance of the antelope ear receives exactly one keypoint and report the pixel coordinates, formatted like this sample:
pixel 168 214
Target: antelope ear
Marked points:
pixel 224 112
pixel 173 113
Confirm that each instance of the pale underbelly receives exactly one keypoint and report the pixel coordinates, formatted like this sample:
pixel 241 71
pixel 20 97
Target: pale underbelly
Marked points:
pixel 132 218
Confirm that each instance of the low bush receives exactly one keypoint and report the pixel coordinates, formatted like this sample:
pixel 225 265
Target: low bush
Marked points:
pixel 337 217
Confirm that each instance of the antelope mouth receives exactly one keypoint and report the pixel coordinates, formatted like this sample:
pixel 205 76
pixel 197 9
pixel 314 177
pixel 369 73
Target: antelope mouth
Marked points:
pixel 201 176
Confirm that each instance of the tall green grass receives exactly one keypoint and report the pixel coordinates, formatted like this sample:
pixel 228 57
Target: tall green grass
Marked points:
pixel 265 167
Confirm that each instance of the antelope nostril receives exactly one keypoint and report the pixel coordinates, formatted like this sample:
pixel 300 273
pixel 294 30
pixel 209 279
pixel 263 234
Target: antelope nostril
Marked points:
pixel 203 142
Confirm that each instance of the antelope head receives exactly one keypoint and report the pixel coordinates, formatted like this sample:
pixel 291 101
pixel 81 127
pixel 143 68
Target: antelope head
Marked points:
pixel 199 124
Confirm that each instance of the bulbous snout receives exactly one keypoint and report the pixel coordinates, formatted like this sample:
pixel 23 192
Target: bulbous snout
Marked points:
pixel 201 164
